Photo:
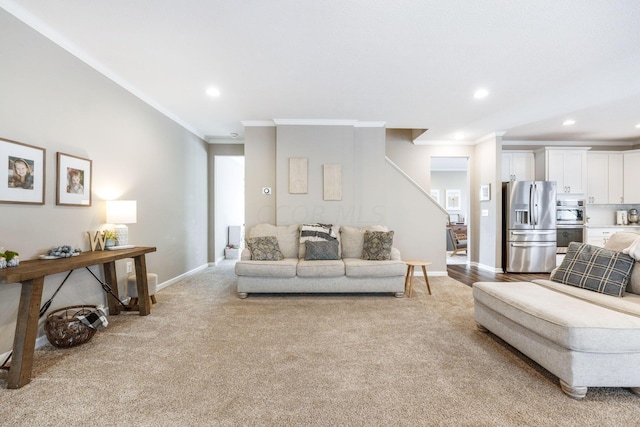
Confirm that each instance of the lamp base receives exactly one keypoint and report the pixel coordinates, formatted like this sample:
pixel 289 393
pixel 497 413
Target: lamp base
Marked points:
pixel 122 234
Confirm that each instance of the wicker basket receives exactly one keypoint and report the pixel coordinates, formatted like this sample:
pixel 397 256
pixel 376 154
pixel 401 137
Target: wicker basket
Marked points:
pixel 63 328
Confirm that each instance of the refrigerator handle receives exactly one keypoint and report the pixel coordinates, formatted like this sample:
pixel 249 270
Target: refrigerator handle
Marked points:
pixel 531 205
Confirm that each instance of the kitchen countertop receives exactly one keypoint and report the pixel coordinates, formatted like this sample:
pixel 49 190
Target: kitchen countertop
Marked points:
pixel 611 226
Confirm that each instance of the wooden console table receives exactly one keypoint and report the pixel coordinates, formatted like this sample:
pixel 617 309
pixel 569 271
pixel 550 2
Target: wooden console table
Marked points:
pixel 31 274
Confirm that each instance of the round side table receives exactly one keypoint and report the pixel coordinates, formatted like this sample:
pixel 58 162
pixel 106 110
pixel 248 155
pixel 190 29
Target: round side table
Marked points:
pixel 411 264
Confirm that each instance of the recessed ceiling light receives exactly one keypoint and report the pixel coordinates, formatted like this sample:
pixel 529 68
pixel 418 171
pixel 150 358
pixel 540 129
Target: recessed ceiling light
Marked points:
pixel 638 125
pixel 480 93
pixel 569 122
pixel 458 136
pixel 213 91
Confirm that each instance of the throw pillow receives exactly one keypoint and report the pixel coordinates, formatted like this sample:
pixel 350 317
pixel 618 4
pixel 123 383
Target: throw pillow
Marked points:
pixel 316 232
pixel 264 248
pixel 618 242
pixel 377 245
pixel 594 268
pixel 321 250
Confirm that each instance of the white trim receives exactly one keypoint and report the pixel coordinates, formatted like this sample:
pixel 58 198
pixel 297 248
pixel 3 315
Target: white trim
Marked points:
pixel 38 25
pixel 258 123
pixel 314 122
pixel 370 124
pixel 180 277
pixel 566 144
pixel 484 267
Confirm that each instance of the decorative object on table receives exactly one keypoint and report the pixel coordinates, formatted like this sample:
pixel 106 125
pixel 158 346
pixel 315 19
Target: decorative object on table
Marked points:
pixel 64 329
pixel 63 251
pixel 73 181
pixel 121 212
pixel 485 192
pixel 96 240
pixel 25 173
pixel 9 259
pixel 452 201
pixel 632 217
pixel 110 238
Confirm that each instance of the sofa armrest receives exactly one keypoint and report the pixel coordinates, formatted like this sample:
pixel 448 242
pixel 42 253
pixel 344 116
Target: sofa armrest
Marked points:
pixel 245 255
pixel 395 254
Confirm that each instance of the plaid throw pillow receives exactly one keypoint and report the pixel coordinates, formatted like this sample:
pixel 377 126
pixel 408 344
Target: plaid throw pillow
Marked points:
pixel 377 245
pixel 264 248
pixel 594 268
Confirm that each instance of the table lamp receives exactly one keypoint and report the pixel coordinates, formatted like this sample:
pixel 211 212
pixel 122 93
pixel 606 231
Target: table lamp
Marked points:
pixel 121 212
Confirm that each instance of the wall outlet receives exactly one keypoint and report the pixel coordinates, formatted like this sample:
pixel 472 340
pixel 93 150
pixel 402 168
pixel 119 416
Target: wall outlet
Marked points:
pixel 129 267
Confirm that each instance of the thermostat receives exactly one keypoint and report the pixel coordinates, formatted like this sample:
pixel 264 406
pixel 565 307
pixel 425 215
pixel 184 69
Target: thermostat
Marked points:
pixel 266 190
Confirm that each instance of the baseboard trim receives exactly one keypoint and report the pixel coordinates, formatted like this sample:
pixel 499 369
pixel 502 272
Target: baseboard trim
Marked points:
pixel 484 267
pixel 182 276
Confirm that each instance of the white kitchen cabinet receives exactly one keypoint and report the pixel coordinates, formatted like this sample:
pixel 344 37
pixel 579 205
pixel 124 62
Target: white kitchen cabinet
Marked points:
pixel 568 167
pixel 631 173
pixel 605 178
pixel 518 166
pixel 598 236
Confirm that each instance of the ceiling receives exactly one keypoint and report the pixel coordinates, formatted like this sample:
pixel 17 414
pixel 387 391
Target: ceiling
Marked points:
pixel 409 64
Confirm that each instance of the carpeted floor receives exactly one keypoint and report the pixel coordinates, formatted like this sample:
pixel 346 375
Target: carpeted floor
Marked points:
pixel 205 357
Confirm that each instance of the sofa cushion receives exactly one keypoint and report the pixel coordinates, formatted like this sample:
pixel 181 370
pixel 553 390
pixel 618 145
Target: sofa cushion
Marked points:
pixel 320 268
pixel 335 232
pixel 570 322
pixel 630 304
pixel 284 268
pixel 352 239
pixel 287 236
pixel 356 267
pixel 321 250
pixel 377 245
pixel 264 248
pixel 618 242
pixel 594 268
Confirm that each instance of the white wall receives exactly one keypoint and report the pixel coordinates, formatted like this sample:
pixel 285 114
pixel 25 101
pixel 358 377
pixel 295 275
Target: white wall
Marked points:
pixel 50 99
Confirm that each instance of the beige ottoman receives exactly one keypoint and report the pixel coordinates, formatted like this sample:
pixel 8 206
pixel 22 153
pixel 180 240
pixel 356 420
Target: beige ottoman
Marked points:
pixel 132 286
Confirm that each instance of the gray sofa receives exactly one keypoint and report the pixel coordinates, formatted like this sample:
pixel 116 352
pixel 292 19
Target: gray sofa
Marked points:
pixel 294 274
pixel 585 338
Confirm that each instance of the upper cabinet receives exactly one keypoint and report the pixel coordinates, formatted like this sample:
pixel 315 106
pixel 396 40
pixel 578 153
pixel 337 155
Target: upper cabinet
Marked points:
pixel 605 178
pixel 518 166
pixel 568 167
pixel 632 184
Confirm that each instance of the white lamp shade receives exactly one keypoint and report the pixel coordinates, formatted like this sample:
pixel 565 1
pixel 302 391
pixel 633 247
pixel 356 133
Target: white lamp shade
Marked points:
pixel 121 212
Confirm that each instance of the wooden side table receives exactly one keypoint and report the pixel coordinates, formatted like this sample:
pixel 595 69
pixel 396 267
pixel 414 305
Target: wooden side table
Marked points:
pixel 410 269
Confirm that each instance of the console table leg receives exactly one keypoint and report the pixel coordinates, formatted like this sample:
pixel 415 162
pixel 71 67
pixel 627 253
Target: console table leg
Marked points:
pixel 111 279
pixel 143 287
pixel 24 342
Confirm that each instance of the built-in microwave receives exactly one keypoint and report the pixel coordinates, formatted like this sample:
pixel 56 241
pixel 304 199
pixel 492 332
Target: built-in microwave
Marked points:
pixel 570 212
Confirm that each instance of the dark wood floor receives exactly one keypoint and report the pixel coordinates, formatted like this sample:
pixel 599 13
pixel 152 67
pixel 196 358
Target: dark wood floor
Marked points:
pixel 467 275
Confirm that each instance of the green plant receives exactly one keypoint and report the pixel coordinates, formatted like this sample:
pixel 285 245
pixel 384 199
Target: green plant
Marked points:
pixel 8 255
pixel 109 234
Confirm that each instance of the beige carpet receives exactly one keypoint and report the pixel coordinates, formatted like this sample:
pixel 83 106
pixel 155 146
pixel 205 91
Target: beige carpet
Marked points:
pixel 205 357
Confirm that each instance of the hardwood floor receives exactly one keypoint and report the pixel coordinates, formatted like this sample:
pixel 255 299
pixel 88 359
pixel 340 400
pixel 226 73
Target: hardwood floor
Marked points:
pixel 467 275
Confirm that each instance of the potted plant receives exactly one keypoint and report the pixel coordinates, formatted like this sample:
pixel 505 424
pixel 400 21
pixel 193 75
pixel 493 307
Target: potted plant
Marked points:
pixel 109 238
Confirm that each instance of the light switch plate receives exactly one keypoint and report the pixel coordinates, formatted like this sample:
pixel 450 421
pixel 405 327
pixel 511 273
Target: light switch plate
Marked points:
pixel 485 212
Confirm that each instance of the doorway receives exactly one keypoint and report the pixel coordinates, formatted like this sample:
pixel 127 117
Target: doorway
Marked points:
pixel 450 185
pixel 228 199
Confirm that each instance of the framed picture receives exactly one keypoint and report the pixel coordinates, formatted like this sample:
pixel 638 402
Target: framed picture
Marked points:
pixel 435 194
pixel 24 179
pixel 485 192
pixel 73 181
pixel 332 182
pixel 452 202
pixel 298 175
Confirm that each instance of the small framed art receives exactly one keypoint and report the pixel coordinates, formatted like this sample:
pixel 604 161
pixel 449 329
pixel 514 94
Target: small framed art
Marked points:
pixel 452 201
pixel 24 179
pixel 485 192
pixel 73 181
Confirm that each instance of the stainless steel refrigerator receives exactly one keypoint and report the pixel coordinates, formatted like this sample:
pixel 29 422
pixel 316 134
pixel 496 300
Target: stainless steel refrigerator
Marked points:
pixel 529 226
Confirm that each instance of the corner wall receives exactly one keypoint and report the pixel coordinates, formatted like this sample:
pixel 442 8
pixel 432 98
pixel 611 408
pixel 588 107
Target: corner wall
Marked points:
pixel 52 100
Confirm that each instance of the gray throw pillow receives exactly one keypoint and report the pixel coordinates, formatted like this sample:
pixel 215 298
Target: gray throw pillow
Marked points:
pixel 594 268
pixel 264 248
pixel 321 250
pixel 377 245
